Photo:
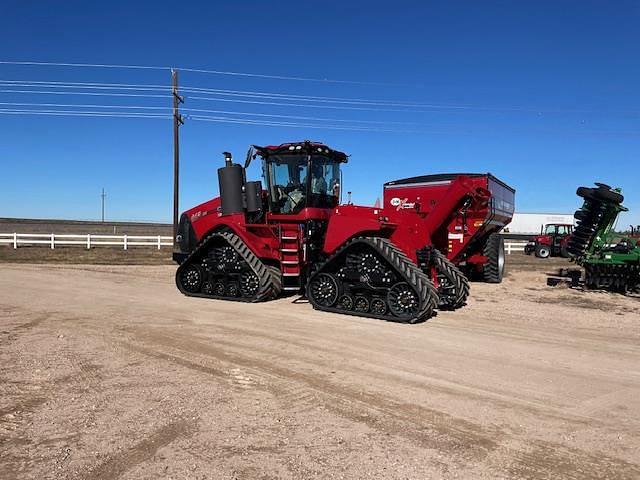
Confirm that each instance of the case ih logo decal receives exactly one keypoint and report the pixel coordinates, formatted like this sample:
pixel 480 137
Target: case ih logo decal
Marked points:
pixel 401 203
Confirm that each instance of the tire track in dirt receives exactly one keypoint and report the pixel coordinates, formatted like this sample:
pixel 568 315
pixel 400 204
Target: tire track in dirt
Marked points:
pixel 504 399
pixel 468 443
pixel 115 466
pixel 442 432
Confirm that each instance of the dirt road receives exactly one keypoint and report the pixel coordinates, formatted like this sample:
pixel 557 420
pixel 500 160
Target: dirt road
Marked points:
pixel 108 372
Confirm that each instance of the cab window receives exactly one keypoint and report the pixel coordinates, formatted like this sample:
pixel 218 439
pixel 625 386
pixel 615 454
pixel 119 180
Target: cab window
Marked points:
pixel 286 177
pixel 325 182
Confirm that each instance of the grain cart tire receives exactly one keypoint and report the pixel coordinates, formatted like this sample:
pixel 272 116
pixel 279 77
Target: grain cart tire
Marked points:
pixel 493 270
pixel 542 251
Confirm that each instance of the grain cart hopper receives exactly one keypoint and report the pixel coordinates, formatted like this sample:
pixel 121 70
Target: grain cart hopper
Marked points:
pixel 608 263
pixel 397 262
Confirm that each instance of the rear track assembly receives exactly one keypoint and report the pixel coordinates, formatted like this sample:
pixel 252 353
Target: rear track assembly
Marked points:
pixel 371 277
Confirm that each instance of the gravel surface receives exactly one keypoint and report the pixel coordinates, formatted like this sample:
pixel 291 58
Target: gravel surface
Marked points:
pixel 108 372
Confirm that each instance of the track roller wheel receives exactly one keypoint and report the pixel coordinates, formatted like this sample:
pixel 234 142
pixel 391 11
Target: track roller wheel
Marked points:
pixel 378 306
pixel 218 289
pixel 207 288
pixel 345 302
pixel 361 304
pixel 232 289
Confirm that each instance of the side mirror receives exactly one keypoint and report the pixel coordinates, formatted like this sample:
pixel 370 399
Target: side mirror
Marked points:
pixel 251 154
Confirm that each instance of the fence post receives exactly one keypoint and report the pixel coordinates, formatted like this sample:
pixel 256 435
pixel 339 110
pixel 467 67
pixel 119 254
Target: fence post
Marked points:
pixel 53 241
pixel 15 240
pixel 125 242
pixel 159 242
pixel 88 241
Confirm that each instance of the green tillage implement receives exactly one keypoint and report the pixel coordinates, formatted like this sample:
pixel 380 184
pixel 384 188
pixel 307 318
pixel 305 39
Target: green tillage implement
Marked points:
pixel 608 265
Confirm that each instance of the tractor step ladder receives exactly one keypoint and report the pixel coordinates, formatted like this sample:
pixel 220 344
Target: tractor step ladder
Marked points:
pixel 290 257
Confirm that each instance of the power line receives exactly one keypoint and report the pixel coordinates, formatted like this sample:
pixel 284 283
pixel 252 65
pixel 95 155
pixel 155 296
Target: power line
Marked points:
pixel 202 110
pixel 319 99
pixel 298 117
pixel 75 113
pixel 237 121
pixel 201 70
pixel 41 92
pixel 292 124
pixel 217 91
pixel 25 104
pixel 260 95
pixel 224 92
pixel 81 114
pixel 85 85
pixel 332 107
pixel 255 102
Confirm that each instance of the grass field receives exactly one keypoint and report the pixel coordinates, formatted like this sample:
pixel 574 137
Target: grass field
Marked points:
pixel 26 225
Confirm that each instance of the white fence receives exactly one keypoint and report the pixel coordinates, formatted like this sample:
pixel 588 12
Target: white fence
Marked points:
pixel 125 241
pixel 89 240
pixel 514 246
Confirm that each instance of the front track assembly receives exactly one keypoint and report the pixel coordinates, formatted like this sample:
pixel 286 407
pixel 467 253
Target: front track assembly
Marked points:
pixel 223 267
pixel 371 277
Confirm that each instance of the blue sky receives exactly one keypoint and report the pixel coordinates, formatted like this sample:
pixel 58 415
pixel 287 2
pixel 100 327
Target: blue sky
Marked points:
pixel 542 94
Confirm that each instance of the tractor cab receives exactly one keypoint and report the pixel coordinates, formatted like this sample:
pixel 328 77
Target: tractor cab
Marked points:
pixel 301 175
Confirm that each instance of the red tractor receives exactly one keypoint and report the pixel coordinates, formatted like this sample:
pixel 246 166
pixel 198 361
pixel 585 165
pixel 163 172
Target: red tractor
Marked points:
pixel 552 241
pixel 398 262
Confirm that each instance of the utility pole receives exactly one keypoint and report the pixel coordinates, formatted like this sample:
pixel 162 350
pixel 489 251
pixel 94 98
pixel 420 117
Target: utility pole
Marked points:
pixel 177 121
pixel 103 195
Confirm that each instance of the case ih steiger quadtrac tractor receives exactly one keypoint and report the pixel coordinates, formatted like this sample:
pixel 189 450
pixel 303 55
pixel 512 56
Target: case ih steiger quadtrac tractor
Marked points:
pixel 552 241
pixel 398 262
pixel 608 263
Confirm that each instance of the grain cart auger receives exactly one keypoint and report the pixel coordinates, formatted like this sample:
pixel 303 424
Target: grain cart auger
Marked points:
pixel 397 262
pixel 608 263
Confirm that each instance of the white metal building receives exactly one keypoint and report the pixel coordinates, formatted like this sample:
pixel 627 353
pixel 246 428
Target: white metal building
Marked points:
pixel 531 223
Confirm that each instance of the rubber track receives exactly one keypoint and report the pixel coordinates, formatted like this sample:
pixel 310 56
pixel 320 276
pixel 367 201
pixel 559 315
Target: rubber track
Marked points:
pixel 403 266
pixel 268 287
pixel 455 275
